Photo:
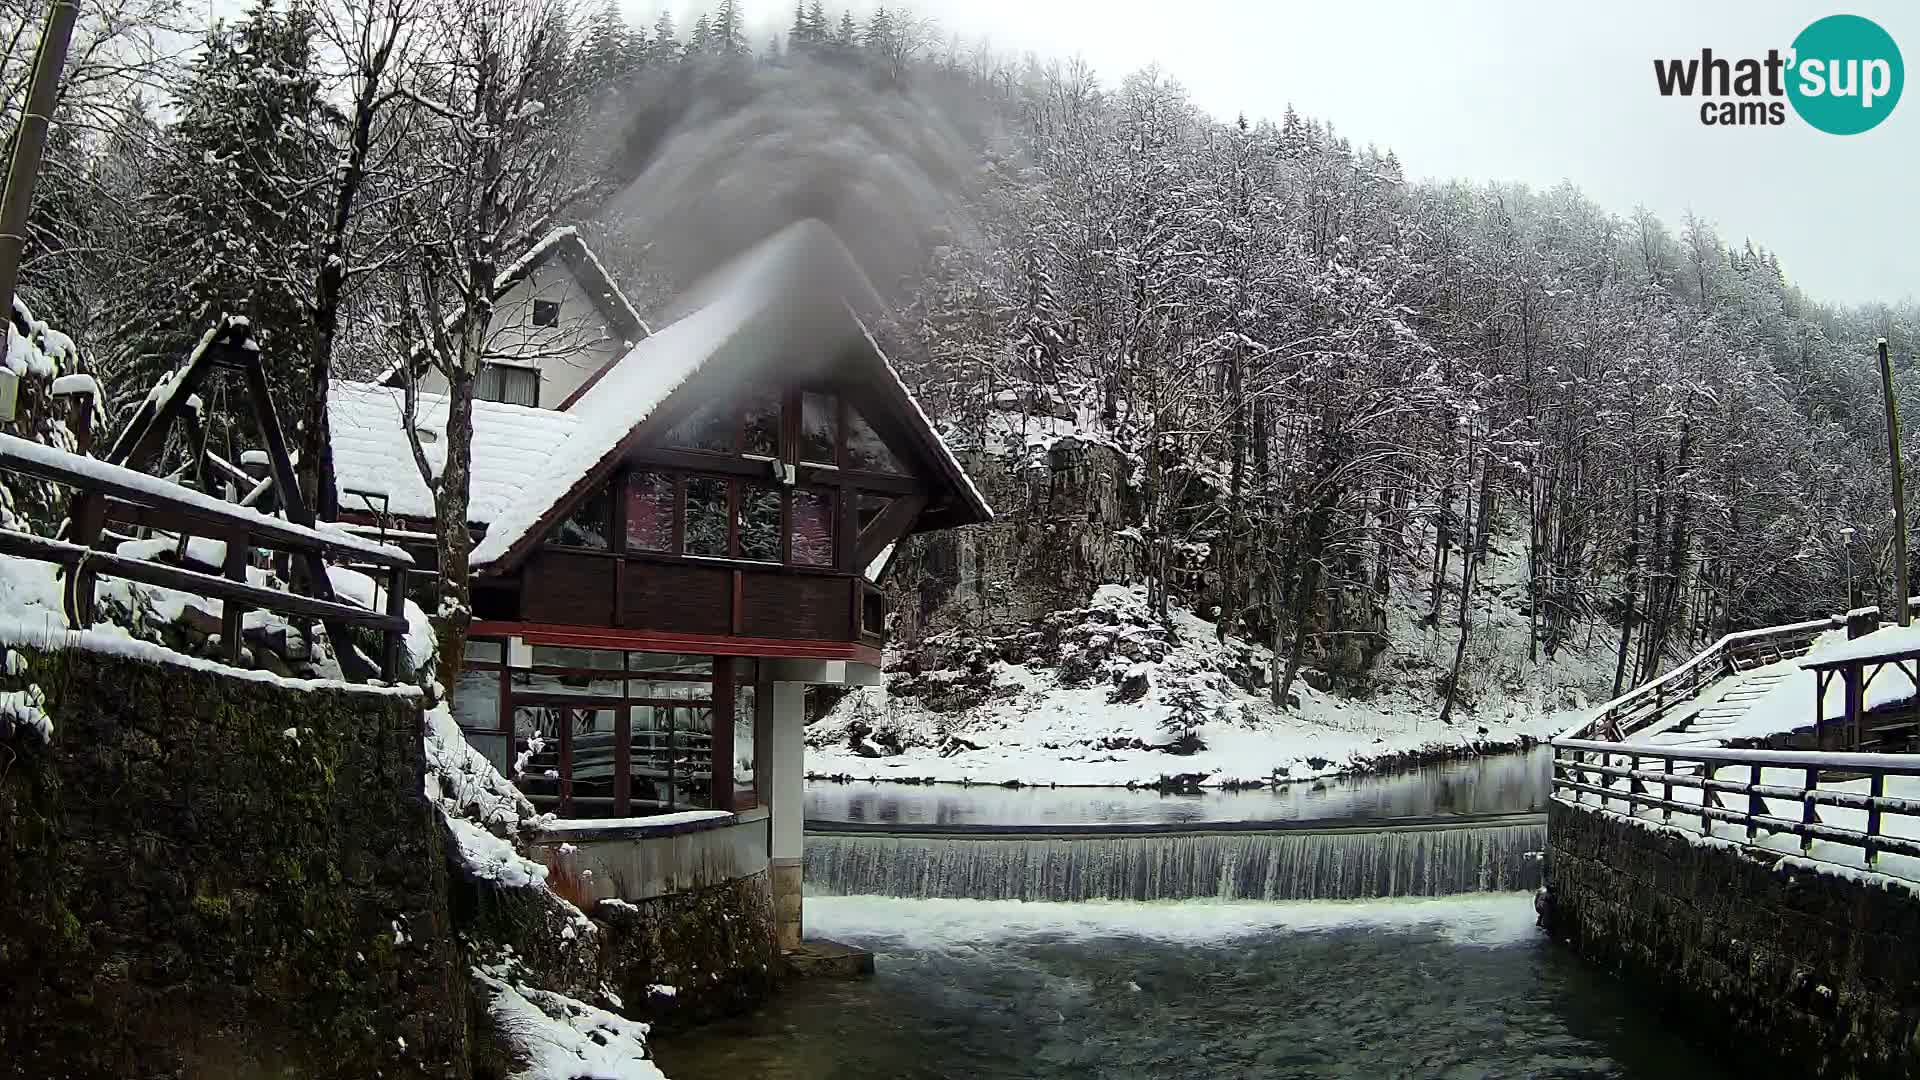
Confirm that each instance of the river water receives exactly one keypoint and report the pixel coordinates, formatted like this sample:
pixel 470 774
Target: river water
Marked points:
pixel 1495 784
pixel 1175 973
pixel 994 990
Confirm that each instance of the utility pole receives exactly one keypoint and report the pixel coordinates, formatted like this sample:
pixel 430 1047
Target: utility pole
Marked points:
pixel 30 142
pixel 1901 592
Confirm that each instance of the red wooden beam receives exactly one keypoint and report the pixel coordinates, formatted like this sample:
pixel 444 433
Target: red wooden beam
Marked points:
pixel 596 637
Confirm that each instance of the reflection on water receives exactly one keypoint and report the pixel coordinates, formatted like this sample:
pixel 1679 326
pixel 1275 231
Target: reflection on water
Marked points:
pixel 1289 991
pixel 1501 783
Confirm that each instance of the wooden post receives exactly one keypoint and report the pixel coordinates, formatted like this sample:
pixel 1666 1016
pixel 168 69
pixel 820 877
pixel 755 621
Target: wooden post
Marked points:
pixel 30 143
pixel 622 761
pixel 80 422
pixel 1853 676
pixel 233 614
pixel 720 746
pixel 566 761
pixel 1754 806
pixel 1877 787
pixel 391 640
pixel 1807 814
pixel 1901 615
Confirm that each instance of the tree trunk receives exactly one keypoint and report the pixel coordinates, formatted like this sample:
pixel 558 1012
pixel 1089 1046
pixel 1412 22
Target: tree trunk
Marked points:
pixel 316 446
pixel 1475 533
pixel 1632 587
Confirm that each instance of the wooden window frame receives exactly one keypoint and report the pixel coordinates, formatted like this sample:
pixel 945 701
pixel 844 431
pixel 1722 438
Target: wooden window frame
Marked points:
pixel 501 365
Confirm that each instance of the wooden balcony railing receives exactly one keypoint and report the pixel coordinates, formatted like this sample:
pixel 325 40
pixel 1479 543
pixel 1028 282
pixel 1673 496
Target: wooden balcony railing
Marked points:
pixel 110 492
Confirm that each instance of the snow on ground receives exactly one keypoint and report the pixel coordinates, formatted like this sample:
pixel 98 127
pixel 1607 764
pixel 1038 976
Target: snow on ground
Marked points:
pixel 884 922
pixel 1104 710
pixel 559 1038
pixel 465 784
pixel 489 857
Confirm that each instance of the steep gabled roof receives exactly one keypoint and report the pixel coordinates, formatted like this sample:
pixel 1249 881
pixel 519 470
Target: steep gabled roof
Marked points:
pixel 566 245
pixel 790 290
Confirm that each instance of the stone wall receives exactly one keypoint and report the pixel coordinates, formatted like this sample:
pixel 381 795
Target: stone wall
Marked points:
pixel 676 959
pixel 713 946
pixel 1807 973
pixel 203 875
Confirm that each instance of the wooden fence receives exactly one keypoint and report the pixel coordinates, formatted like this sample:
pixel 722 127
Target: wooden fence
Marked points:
pixel 1636 779
pixel 106 492
pixel 1648 704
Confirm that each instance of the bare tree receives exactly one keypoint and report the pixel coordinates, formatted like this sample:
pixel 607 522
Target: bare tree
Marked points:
pixel 372 39
pixel 496 91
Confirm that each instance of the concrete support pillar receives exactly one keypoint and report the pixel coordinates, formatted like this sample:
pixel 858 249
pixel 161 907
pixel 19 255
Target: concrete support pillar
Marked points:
pixel 788 715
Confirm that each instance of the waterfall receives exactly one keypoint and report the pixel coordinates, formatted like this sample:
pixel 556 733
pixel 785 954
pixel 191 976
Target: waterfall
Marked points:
pixel 1259 863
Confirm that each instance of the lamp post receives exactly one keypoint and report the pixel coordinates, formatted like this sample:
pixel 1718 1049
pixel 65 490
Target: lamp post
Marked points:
pixel 1846 544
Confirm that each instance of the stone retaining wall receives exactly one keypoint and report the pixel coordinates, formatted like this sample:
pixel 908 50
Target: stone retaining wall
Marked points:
pixel 1784 965
pixel 205 875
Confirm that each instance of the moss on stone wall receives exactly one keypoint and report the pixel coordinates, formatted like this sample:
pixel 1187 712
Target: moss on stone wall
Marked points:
pixel 714 946
pixel 1785 966
pixel 206 875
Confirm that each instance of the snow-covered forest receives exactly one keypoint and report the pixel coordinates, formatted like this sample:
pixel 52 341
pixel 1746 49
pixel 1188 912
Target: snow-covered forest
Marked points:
pixel 1239 362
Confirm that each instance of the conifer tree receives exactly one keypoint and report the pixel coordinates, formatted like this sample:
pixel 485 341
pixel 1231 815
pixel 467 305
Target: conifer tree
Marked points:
pixel 231 221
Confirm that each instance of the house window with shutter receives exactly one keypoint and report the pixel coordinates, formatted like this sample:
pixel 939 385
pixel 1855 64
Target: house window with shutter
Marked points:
pixel 507 384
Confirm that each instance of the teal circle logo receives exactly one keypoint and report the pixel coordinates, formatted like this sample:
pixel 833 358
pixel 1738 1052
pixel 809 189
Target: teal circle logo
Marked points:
pixel 1846 75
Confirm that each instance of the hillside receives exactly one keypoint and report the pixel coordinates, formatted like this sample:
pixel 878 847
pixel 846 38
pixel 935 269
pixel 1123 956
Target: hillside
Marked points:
pixel 1108 694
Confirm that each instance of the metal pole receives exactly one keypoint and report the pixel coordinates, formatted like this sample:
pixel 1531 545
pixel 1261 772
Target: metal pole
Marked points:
pixel 1899 490
pixel 30 142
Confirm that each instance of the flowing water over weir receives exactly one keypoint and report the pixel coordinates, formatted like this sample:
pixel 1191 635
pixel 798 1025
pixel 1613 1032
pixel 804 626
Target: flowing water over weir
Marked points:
pixel 1227 860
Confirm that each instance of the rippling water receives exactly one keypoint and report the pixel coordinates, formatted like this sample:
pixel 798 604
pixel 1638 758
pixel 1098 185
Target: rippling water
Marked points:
pixel 1458 987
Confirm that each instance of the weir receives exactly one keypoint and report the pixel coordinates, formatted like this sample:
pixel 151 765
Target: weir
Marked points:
pixel 1314 860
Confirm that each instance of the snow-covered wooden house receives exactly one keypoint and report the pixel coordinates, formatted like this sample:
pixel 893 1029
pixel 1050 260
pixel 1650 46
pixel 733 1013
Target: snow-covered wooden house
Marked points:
pixel 670 547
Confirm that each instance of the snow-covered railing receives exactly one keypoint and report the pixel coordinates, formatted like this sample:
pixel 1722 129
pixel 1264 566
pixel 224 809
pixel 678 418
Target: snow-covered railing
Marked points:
pixel 1773 800
pixel 107 491
pixel 1647 704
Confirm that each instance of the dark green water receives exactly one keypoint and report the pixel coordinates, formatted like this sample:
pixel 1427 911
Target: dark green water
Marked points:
pixel 1461 987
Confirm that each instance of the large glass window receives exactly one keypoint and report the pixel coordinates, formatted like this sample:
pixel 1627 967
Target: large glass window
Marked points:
pixel 650 505
pixel 759 522
pixel 813 527
pixel 819 428
pixel 572 709
pixel 867 451
pixel 714 428
pixel 588 524
pixel 706 516
pixel 762 430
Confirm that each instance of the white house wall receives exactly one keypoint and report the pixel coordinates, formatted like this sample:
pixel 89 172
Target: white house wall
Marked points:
pixel 566 354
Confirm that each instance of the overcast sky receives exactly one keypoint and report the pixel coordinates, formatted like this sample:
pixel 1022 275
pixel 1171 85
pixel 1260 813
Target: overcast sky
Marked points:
pixel 1524 90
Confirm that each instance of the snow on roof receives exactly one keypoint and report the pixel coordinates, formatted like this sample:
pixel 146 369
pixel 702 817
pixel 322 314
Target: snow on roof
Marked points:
pixel 803 256
pixel 1885 643
pixel 371 452
pixel 632 388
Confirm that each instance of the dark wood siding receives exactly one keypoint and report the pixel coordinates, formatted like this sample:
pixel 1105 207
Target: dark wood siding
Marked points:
pixel 797 606
pixel 564 588
pixel 679 599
